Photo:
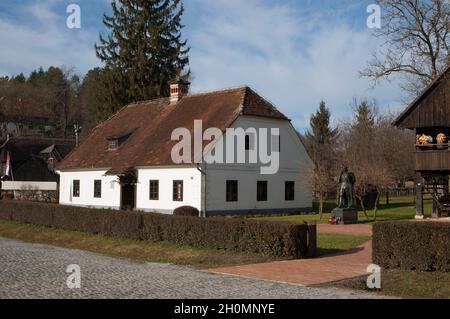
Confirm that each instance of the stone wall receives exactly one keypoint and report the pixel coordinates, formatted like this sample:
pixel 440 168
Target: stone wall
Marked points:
pixel 32 195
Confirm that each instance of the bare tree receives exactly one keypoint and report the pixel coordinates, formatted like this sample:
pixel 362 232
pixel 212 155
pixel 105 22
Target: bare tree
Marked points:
pixel 320 176
pixel 416 35
pixel 368 146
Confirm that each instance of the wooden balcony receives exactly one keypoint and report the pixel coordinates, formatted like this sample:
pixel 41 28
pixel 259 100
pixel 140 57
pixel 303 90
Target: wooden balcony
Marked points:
pixel 432 157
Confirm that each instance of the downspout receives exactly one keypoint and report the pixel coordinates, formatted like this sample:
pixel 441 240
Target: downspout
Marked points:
pixel 203 172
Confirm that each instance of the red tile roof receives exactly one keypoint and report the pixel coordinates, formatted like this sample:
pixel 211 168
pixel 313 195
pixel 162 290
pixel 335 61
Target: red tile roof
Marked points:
pixel 152 124
pixel 22 147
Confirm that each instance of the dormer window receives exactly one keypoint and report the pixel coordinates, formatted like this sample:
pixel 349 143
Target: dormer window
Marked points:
pixel 113 145
pixel 115 141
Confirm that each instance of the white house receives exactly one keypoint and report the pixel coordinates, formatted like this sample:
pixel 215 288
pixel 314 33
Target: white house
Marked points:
pixel 128 162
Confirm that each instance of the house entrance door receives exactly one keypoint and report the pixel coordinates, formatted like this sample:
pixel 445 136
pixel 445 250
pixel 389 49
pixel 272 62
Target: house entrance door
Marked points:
pixel 128 192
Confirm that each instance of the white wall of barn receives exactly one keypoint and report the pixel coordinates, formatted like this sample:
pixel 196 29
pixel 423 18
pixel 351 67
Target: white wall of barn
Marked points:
pixel 294 160
pixel 110 194
pixel 192 189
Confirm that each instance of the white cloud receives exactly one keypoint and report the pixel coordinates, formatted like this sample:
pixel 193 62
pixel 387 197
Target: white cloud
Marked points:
pixel 295 62
pixel 44 41
pixel 295 58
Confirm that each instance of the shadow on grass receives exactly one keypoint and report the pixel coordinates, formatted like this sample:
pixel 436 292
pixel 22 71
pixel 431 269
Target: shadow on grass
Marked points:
pixel 327 252
pixel 395 205
pixel 330 252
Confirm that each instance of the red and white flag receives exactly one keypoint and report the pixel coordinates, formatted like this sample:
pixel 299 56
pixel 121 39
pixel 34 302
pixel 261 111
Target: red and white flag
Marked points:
pixel 8 170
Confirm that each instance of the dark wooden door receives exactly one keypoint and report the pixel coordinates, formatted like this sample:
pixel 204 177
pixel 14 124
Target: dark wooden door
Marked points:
pixel 128 197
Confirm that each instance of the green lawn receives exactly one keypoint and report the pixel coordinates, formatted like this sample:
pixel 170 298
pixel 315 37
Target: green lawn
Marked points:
pixel 398 209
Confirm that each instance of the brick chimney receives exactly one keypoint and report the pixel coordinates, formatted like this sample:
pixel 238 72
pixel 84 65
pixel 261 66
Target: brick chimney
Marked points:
pixel 178 89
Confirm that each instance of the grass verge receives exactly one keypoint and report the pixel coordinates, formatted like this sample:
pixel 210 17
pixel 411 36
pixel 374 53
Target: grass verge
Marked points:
pixel 404 283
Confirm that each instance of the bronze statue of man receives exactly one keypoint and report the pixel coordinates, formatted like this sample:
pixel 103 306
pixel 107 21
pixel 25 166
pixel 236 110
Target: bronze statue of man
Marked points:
pixel 346 193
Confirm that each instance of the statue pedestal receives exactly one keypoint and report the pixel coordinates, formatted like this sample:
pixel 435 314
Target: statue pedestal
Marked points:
pixel 346 216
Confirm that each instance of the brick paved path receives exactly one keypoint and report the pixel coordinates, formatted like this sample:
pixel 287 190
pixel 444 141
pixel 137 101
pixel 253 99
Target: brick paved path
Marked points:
pixel 314 271
pixel 309 271
pixel 38 271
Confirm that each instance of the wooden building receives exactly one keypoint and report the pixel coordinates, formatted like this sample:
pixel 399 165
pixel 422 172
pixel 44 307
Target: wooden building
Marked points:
pixel 429 116
pixel 32 174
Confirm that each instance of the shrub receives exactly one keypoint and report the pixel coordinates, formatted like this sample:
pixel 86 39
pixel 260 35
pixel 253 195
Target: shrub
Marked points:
pixel 266 238
pixel 279 239
pixel 186 211
pixel 412 245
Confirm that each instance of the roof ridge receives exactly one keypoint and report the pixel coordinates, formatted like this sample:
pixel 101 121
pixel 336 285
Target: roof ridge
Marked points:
pixel 160 99
pixel 226 90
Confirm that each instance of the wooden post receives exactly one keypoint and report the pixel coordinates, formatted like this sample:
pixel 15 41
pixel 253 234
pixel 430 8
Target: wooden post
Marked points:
pixel 419 199
pixel 312 239
pixel 435 213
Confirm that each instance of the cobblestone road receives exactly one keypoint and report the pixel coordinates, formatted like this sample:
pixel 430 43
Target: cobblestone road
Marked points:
pixel 39 271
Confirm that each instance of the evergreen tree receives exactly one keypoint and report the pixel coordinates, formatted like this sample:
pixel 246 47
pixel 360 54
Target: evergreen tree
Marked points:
pixel 37 76
pixel 93 93
pixel 143 51
pixel 321 144
pixel 321 131
pixel 19 78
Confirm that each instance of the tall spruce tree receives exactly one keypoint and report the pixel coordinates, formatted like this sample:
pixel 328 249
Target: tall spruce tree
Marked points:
pixel 321 131
pixel 143 51
pixel 321 144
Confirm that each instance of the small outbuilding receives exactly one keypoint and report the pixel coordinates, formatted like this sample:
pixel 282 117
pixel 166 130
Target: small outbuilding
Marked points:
pixel 27 167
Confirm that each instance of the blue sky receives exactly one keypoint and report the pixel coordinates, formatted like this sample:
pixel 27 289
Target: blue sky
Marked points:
pixel 293 52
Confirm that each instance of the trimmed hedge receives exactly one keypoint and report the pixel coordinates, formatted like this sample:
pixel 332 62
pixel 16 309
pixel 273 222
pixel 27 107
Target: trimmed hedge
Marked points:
pixel 279 239
pixel 412 245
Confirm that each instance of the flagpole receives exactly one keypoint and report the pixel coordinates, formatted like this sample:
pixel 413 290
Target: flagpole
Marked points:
pixel 12 177
pixel 9 171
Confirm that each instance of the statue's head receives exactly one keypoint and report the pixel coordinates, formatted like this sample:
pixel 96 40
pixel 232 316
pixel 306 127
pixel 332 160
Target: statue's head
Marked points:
pixel 344 168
